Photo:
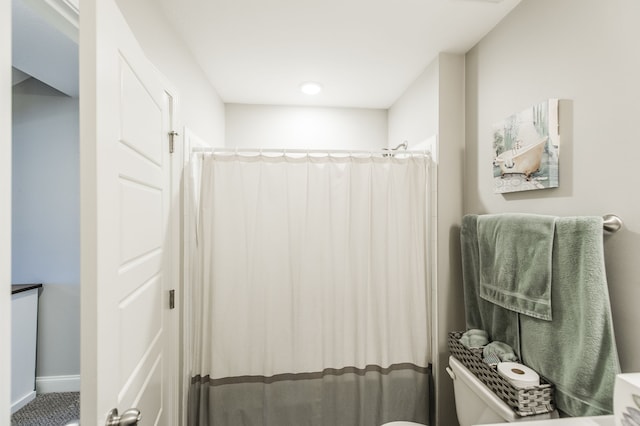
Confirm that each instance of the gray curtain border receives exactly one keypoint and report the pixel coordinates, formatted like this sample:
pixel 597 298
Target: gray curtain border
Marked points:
pixel 311 375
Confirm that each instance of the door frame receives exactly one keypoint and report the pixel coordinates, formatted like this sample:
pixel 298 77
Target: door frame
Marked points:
pixel 174 317
pixel 5 215
pixel 189 141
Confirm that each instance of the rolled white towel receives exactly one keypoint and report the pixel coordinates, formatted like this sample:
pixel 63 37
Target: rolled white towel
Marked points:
pixel 501 350
pixel 474 338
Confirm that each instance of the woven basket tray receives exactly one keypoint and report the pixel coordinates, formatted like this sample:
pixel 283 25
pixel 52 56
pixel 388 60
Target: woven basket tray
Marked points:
pixel 525 401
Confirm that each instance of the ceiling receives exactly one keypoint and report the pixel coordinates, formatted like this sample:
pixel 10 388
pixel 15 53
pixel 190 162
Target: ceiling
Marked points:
pixel 365 53
pixel 41 50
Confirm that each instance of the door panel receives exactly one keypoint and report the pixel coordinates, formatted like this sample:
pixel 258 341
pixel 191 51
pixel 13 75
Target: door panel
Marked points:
pixel 141 229
pixel 125 238
pixel 141 115
pixel 142 310
pixel 151 396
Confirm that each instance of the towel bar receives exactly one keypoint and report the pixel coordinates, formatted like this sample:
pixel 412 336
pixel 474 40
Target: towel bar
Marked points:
pixel 612 223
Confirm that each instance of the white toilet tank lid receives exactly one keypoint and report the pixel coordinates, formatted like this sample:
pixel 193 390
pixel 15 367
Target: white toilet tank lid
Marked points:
pixel 491 399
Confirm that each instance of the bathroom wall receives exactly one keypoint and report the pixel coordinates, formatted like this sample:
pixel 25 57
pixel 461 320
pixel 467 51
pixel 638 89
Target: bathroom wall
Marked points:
pixel 434 104
pixel 199 106
pixel 584 52
pixel 45 212
pixel 413 117
pixel 304 127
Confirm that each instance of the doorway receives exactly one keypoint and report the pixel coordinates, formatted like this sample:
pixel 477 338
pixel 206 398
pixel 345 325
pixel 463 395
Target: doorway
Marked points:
pixel 45 195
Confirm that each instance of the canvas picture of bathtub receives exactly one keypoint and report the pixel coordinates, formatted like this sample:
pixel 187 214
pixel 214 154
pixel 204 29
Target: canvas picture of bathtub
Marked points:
pixel 526 148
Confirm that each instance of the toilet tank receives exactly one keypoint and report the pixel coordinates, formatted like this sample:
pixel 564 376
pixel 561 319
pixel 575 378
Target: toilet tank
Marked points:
pixel 477 404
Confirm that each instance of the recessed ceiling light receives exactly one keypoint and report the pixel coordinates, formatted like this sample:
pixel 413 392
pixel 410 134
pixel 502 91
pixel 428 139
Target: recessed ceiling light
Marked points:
pixel 311 88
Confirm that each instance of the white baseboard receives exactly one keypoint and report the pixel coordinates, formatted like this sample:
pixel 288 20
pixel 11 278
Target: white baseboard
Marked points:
pixel 16 405
pixel 48 384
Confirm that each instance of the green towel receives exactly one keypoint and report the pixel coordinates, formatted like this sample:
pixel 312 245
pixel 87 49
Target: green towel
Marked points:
pixel 515 262
pixel 500 323
pixel 577 350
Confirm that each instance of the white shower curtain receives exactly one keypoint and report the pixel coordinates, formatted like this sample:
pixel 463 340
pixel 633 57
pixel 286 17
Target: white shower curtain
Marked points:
pixel 308 291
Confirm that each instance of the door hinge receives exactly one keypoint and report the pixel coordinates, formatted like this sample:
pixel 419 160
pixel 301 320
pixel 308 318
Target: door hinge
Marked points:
pixel 172 135
pixel 172 299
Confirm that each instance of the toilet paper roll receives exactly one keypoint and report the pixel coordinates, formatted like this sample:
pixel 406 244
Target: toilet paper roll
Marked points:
pixel 518 375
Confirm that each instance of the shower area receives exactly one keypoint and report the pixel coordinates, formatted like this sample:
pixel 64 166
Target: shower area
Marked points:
pixel 307 287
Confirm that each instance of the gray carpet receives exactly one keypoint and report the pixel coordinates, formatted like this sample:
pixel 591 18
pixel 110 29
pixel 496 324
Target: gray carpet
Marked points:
pixel 49 409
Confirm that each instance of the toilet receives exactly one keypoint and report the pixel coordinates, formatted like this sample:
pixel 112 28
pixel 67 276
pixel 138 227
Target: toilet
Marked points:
pixel 476 403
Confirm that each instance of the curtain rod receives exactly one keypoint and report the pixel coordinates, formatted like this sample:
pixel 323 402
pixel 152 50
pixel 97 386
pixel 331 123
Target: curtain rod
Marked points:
pixel 284 151
pixel 611 223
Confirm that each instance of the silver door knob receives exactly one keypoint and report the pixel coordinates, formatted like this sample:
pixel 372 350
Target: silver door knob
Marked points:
pixel 130 417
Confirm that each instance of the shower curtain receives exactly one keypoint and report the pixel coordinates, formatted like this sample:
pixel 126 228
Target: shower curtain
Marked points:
pixel 308 296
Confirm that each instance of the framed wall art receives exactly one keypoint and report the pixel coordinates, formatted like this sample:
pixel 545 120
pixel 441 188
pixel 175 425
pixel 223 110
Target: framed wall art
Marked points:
pixel 526 148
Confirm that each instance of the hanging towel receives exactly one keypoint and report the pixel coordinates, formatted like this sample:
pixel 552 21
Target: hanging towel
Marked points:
pixel 500 323
pixel 515 262
pixel 576 351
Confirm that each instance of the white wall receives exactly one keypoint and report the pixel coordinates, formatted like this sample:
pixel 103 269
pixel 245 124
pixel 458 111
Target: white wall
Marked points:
pixel 586 53
pixel 434 104
pixel 200 107
pixel 265 126
pixel 46 209
pixel 414 116
pixel 451 124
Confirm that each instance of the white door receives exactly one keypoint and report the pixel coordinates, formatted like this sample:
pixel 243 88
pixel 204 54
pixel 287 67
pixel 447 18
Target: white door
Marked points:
pixel 126 258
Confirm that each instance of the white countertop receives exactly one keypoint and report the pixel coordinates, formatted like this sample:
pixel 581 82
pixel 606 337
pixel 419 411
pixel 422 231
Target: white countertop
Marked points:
pixel 570 421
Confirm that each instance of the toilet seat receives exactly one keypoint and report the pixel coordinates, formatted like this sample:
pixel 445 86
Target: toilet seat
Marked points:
pixel 403 424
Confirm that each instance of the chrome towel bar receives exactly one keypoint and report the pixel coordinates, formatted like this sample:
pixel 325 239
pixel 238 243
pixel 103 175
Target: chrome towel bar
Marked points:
pixel 611 223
